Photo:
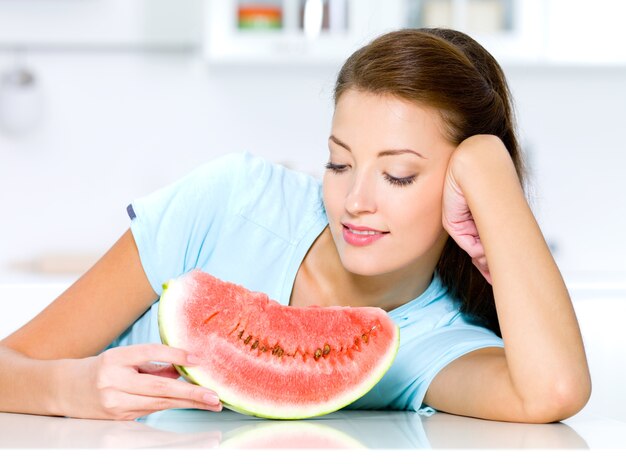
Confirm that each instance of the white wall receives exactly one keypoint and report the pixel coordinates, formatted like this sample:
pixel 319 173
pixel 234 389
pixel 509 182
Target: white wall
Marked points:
pixel 573 120
pixel 119 125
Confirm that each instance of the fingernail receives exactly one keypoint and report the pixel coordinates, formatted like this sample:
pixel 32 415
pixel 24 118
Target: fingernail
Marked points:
pixel 210 398
pixel 193 359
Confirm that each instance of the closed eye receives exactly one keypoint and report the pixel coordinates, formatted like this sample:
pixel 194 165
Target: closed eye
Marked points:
pixel 399 181
pixel 336 168
pixel 396 181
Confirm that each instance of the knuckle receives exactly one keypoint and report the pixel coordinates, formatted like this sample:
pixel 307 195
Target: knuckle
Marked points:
pixel 146 350
pixel 102 381
pixel 152 351
pixel 178 353
pixel 162 403
pixel 153 348
pixel 109 400
pixel 161 386
pixel 107 357
pixel 104 376
pixel 195 395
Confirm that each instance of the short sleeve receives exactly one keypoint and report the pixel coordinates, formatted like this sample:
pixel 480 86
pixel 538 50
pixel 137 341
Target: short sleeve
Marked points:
pixel 420 358
pixel 174 226
pixel 436 350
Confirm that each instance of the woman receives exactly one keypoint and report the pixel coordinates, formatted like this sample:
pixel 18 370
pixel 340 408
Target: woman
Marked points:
pixel 421 213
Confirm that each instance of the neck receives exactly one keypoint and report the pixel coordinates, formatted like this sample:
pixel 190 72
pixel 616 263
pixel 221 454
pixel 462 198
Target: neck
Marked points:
pixel 337 286
pixel 384 291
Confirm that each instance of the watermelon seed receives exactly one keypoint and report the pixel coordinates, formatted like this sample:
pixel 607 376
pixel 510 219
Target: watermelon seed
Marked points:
pixel 326 350
pixel 247 340
pixel 236 327
pixel 278 351
pixel 318 353
pixel 241 334
pixel 365 337
pixel 254 345
pixel 206 321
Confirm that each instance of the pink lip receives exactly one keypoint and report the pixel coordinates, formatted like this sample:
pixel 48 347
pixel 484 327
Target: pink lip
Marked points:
pixel 360 240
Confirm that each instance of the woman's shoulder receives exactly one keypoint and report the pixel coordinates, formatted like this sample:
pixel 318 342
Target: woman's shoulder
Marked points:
pixel 252 177
pixel 236 186
pixel 282 200
pixel 261 175
pixel 434 311
pixel 255 176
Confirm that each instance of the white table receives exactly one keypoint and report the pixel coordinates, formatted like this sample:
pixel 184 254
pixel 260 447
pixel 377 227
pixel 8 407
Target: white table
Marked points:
pixel 186 428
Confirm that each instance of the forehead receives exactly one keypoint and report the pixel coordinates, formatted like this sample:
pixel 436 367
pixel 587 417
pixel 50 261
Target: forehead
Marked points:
pixel 375 114
pixel 371 123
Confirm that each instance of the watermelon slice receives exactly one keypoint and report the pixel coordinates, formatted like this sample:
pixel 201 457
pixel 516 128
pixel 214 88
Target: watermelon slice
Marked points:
pixel 270 360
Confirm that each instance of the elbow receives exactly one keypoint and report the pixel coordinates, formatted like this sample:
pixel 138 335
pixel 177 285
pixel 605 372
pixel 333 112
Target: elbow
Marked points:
pixel 565 399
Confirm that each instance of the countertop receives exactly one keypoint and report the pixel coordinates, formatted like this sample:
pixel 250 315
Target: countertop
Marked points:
pixel 188 428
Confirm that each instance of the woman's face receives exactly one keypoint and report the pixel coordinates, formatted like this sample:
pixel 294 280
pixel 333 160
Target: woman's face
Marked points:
pixel 384 182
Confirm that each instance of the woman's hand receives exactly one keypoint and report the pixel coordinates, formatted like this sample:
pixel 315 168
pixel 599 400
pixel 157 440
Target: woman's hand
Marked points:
pixel 456 216
pixel 123 383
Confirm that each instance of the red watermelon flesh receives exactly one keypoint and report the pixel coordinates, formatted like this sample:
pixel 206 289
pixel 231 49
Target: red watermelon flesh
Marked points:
pixel 270 360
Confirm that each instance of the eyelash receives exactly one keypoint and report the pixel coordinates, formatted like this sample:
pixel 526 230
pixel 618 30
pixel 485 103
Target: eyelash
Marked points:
pixel 395 181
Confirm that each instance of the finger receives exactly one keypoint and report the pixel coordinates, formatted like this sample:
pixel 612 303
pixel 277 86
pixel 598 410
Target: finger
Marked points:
pixel 151 385
pixel 129 406
pixel 135 355
pixel 162 370
pixel 481 265
pixel 470 244
pixel 480 262
pixel 144 405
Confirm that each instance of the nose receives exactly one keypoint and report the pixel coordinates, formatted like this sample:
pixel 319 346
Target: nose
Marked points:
pixel 361 196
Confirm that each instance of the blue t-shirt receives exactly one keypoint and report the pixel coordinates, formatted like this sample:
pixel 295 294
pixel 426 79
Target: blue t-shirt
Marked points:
pixel 248 221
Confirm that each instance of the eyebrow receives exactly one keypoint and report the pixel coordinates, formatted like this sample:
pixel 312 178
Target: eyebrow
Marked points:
pixel 397 151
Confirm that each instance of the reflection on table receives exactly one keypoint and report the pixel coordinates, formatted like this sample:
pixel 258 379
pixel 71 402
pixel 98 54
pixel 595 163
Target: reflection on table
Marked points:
pixel 186 428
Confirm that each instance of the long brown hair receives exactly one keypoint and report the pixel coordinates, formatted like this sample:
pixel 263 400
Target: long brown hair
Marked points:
pixel 449 71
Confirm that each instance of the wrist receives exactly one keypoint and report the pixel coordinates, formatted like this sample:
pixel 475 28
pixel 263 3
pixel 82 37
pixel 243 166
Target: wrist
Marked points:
pixel 60 396
pixel 482 163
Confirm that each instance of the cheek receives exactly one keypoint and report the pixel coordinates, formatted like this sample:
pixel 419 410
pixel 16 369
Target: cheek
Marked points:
pixel 422 213
pixel 333 195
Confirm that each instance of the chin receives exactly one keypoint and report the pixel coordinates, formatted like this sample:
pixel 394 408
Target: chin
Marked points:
pixel 366 266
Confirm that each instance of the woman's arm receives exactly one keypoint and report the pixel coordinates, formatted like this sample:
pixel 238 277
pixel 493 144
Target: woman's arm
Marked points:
pixel 541 375
pixel 51 365
pixel 99 306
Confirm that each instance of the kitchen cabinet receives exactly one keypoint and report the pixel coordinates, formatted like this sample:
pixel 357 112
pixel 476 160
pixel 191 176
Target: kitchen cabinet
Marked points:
pixel 310 31
pixel 516 32
pixel 226 41
pixel 510 29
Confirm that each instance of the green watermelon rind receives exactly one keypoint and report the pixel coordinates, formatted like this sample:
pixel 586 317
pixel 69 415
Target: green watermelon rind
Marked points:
pixel 253 410
pixel 281 434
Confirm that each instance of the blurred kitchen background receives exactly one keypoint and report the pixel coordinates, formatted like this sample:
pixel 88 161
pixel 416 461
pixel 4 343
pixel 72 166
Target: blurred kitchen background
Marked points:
pixel 103 101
